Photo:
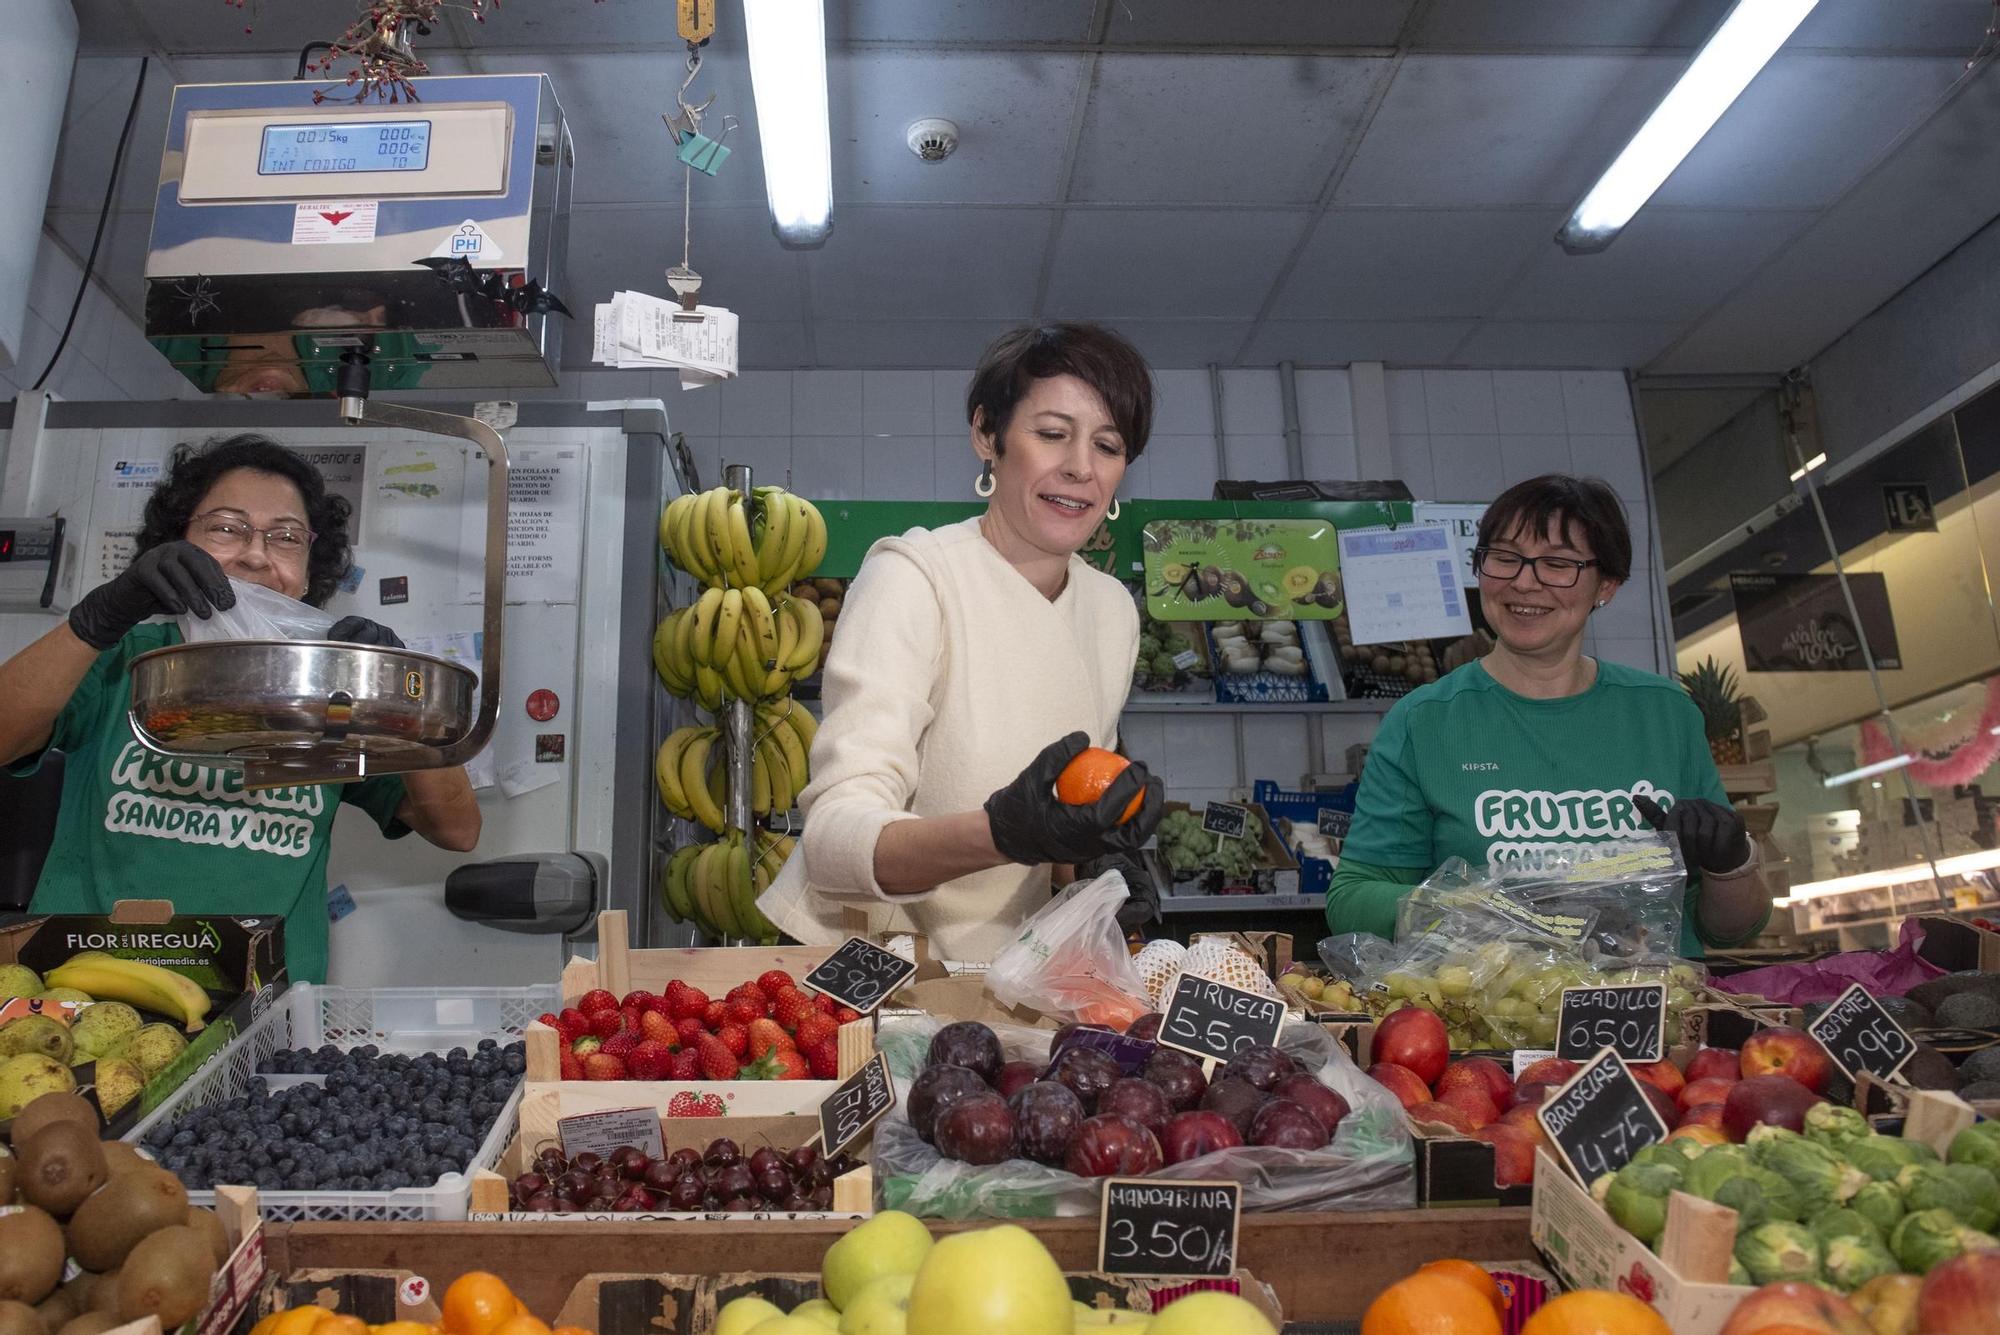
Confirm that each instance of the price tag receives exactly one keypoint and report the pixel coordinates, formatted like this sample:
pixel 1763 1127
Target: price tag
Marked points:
pixel 1209 1019
pixel 1159 1228
pixel 1526 1057
pixel 602 1132
pixel 1630 1020
pixel 1860 1036
pixel 1225 818
pixel 1335 824
pixel 1131 1054
pixel 1601 1118
pixel 859 1102
pixel 1185 660
pixel 860 975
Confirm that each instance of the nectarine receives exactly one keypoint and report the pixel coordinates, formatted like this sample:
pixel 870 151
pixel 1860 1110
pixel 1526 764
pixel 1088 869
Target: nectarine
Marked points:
pixel 1782 1050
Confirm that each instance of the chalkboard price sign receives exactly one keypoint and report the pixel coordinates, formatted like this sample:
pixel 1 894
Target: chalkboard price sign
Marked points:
pixel 860 974
pixel 1601 1118
pixel 1225 819
pixel 847 1113
pixel 1860 1036
pixel 1630 1020
pixel 1335 824
pixel 1159 1228
pixel 1205 1018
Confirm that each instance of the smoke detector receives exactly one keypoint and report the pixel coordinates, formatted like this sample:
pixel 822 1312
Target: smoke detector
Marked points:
pixel 933 139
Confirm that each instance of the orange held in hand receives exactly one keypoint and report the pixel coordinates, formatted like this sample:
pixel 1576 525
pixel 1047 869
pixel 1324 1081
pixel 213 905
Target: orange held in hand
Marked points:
pixel 1431 1303
pixel 1085 778
pixel 1596 1312
pixel 477 1303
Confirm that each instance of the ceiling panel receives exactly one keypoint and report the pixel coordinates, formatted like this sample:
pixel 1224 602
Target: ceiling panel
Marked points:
pixel 1455 131
pixel 1168 343
pixel 1124 262
pixel 941 22
pixel 1421 263
pixel 895 262
pixel 1554 25
pixel 1302 23
pixel 1219 129
pixel 741 263
pixel 1603 344
pixel 1667 265
pixel 766 345
pixel 1805 128
pixel 207 27
pixel 1011 108
pixel 1338 342
pixel 934 344
pixel 1950 26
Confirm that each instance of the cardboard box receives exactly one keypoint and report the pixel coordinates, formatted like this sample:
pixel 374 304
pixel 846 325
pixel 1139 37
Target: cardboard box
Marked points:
pixel 1955 945
pixel 1723 1019
pixel 1272 854
pixel 375 1296
pixel 1091 1288
pixel 237 1281
pixel 240 962
pixel 1454 1170
pixel 1272 950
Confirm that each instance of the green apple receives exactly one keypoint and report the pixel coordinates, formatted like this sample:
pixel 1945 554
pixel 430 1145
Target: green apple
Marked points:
pixel 820 1310
pixel 1210 1314
pixel 880 1309
pixel 742 1315
pixel 789 1325
pixel 997 1281
pixel 892 1243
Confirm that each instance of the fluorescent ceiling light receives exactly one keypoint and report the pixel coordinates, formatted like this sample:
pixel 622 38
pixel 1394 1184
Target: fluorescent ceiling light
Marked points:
pixel 1817 461
pixel 1867 771
pixel 1723 68
pixel 1965 864
pixel 788 75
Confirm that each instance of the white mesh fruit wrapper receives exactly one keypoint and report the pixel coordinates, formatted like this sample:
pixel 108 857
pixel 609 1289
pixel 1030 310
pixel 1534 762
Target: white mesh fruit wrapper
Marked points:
pixel 1157 964
pixel 1224 963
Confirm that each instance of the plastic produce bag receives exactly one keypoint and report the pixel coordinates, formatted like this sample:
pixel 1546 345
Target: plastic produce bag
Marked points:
pixel 1368 1166
pixel 1070 960
pixel 259 614
pixel 1356 956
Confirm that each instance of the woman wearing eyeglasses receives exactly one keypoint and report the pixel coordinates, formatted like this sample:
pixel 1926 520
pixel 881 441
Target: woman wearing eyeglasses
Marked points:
pixel 134 826
pixel 1537 749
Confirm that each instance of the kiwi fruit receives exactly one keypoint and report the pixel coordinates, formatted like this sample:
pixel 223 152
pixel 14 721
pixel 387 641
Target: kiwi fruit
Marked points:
pixel 78 1292
pixel 61 1164
pixel 105 1228
pixel 104 1293
pixel 31 1255
pixel 91 1323
pixel 21 1319
pixel 10 1168
pixel 58 1309
pixel 52 1108
pixel 120 1157
pixel 166 1276
pixel 207 1223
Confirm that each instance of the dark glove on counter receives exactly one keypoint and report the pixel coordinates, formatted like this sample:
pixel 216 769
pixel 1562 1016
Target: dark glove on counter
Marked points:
pixel 1711 836
pixel 171 579
pixel 1031 826
pixel 360 630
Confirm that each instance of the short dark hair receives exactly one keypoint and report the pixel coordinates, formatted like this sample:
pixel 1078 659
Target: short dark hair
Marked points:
pixel 193 469
pixel 1575 507
pixel 1093 354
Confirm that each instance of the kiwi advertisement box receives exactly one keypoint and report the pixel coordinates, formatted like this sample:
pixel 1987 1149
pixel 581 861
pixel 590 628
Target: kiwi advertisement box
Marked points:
pixel 1217 570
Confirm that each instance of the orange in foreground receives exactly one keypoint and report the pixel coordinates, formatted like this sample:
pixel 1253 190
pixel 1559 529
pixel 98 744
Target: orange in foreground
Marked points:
pixel 477 1303
pixel 1085 778
pixel 1469 1272
pixel 1596 1312
pixel 1432 1302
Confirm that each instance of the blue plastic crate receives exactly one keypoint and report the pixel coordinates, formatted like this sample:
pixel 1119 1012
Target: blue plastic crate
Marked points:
pixel 1315 874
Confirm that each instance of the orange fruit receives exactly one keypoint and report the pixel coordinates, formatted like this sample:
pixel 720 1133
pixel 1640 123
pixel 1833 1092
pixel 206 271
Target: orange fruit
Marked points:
pixel 1596 1312
pixel 477 1303
pixel 1085 778
pixel 339 1323
pixel 1430 1304
pixel 292 1321
pixel 1472 1273
pixel 522 1323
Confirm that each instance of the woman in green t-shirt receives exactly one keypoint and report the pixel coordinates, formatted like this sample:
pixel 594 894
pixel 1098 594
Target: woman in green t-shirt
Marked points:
pixel 135 825
pixel 1536 749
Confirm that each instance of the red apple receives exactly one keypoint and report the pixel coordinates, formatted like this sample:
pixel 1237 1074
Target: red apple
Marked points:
pixel 1513 1153
pixel 1414 1038
pixel 1707 1090
pixel 1472 1100
pixel 1663 1076
pixel 1962 1296
pixel 1499 1085
pixel 1442 1114
pixel 1190 1135
pixel 1408 1087
pixel 1766 1100
pixel 1662 1104
pixel 1702 1114
pixel 1701 1135
pixel 1716 1063
pixel 1797 1309
pixel 1532 1094
pixel 1549 1070
pixel 1782 1050
pixel 1522 1118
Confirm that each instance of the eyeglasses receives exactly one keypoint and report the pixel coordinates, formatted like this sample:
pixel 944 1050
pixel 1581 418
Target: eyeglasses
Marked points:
pixel 227 531
pixel 1554 572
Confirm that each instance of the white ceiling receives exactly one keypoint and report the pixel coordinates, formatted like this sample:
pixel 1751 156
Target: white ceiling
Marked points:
pixel 1309 180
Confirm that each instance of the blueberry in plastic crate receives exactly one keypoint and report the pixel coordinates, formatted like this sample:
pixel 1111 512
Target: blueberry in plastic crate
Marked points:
pixel 347 1103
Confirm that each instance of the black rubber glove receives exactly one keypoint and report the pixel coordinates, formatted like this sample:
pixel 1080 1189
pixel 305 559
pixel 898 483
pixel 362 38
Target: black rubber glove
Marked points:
pixel 1711 836
pixel 360 630
pixel 171 579
pixel 1031 826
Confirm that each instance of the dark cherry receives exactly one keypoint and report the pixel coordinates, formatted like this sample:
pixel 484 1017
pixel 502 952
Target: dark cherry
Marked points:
pixel 687 1192
pixel 802 1158
pixel 774 1183
pixel 721 1153
pixel 539 1203
pixel 586 1162
pixel 685 1158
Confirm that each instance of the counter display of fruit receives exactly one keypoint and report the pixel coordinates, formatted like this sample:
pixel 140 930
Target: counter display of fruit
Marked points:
pixel 125 1019
pixel 766 1028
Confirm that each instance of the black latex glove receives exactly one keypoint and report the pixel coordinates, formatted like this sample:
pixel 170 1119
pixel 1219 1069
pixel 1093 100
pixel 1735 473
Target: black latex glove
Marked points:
pixel 1711 836
pixel 1031 826
pixel 171 579
pixel 360 630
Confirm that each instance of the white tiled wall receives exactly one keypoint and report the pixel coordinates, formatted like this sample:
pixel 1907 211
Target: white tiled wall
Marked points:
pixel 107 356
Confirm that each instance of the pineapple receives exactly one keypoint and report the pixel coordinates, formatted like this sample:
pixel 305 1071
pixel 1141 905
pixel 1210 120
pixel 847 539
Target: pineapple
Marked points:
pixel 1713 690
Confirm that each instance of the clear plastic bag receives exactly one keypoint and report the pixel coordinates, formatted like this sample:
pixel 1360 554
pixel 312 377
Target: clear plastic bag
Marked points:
pixel 1368 1166
pixel 259 614
pixel 1070 960
pixel 1356 956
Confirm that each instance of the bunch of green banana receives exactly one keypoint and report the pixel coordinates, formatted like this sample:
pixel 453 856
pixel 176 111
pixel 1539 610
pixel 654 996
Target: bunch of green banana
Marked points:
pixel 689 780
pixel 136 983
pixel 726 542
pixel 737 644
pixel 715 886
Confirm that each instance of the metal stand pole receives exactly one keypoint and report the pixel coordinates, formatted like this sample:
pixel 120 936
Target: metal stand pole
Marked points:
pixel 737 715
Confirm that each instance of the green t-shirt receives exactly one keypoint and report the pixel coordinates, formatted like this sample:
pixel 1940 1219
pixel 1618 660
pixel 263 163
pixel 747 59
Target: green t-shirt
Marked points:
pixel 1466 768
pixel 136 825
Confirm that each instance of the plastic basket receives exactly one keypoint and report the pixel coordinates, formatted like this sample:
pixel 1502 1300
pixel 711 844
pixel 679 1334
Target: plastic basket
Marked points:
pixel 397 1019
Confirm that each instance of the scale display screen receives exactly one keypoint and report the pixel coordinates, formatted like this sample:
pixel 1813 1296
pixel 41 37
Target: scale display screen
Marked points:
pixel 332 147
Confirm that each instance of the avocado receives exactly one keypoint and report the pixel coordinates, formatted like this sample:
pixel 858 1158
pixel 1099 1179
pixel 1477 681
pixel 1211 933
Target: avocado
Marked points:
pixel 1981 1066
pixel 110 1224
pixel 1930 1069
pixel 31 1255
pixel 61 1165
pixel 1909 1014
pixel 1979 1089
pixel 166 1276
pixel 1932 991
pixel 1969 1010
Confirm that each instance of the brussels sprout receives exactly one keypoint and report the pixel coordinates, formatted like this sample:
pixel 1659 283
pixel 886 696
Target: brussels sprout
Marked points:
pixel 1663 1154
pixel 1759 1196
pixel 1831 1125
pixel 1881 1157
pixel 1707 1174
pixel 1981 1190
pixel 1925 1187
pixel 1738 1275
pixel 1841 1222
pixel 1852 1262
pixel 1880 1204
pixel 1779 1251
pixel 1978 1144
pixel 1928 1238
pixel 1763 1136
pixel 1637 1199
pixel 1819 1179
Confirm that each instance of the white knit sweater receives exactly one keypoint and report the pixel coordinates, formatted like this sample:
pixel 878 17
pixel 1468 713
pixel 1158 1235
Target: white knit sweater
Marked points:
pixel 949 673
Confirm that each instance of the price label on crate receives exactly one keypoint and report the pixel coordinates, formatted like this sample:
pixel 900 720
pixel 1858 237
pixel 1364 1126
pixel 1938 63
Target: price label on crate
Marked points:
pixel 1860 1036
pixel 1209 1019
pixel 602 1132
pixel 1225 819
pixel 860 975
pixel 1630 1020
pixel 847 1113
pixel 1601 1118
pixel 1335 824
pixel 1157 1228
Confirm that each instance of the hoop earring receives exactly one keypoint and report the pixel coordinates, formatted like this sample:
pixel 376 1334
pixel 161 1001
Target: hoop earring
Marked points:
pixel 983 487
pixel 1112 513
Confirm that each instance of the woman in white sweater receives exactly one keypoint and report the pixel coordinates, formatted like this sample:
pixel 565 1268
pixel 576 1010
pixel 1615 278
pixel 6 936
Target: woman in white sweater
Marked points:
pixel 973 662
